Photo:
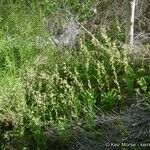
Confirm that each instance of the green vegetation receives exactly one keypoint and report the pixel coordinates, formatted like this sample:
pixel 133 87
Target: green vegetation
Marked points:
pixel 43 89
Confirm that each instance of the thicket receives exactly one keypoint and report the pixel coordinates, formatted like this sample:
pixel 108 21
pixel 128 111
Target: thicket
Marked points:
pixel 46 93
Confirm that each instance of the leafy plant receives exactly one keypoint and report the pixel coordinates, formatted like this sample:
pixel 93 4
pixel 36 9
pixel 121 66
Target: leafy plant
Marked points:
pixel 109 99
pixel 143 84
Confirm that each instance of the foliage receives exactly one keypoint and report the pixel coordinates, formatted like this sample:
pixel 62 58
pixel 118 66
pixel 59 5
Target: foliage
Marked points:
pixel 43 91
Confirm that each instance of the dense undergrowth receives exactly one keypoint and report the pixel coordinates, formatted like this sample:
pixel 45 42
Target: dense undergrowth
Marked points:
pixel 44 90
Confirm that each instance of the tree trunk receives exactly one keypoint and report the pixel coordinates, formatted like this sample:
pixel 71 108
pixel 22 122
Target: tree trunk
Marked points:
pixel 130 21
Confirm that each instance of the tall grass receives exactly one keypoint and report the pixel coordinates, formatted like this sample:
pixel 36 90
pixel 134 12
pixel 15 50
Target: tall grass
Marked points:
pixel 41 87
